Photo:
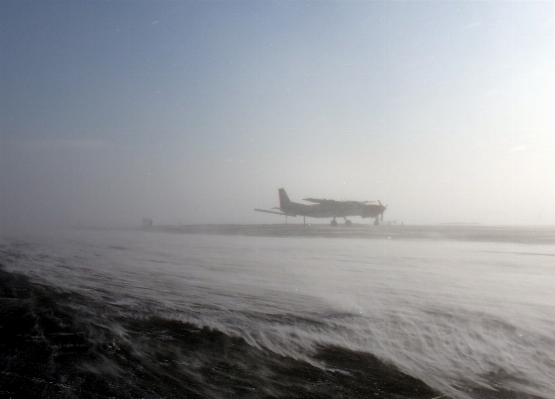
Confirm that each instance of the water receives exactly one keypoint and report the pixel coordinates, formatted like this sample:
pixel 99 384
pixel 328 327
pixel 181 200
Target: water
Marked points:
pixel 279 312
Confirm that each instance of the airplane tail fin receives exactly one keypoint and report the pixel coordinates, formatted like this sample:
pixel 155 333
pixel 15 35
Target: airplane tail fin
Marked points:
pixel 283 199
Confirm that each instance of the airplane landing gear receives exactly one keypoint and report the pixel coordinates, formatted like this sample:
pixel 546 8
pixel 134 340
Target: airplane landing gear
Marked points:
pixel 376 222
pixel 333 222
pixel 348 222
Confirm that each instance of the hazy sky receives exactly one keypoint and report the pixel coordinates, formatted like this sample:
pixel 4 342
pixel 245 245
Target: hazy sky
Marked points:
pixel 197 112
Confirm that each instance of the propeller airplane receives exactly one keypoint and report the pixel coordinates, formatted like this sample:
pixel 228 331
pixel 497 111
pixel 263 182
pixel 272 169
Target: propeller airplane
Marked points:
pixel 324 208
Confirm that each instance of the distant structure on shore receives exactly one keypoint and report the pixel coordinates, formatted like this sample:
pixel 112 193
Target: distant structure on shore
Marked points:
pixel 147 222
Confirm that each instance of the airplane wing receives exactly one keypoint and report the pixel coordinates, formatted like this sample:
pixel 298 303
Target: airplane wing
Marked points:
pixel 327 201
pixel 318 201
pixel 274 212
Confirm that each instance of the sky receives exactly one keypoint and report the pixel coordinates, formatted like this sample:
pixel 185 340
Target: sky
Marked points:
pixel 198 111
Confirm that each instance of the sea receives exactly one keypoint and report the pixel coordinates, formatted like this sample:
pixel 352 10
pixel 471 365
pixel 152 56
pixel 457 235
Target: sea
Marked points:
pixel 279 311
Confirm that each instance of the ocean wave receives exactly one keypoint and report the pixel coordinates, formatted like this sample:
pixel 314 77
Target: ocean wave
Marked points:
pixel 56 344
pixel 86 326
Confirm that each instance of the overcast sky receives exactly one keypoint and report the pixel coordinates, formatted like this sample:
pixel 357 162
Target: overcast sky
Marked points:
pixel 197 112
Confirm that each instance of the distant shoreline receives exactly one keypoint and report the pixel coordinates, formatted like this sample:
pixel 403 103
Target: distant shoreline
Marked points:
pixel 531 234
pixel 457 232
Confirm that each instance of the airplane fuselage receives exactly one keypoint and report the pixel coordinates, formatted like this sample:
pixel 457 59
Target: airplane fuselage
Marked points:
pixel 332 209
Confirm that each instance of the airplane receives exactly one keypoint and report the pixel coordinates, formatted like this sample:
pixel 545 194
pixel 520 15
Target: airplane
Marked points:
pixel 324 208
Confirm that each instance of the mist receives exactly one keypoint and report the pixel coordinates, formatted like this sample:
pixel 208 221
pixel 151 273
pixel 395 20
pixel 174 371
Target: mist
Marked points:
pixel 197 112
